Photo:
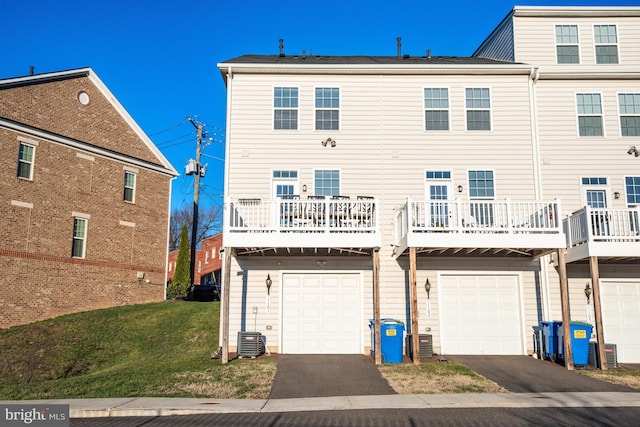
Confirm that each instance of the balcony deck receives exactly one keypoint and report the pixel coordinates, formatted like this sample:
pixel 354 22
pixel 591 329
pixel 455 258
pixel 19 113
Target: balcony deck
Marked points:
pixel 479 227
pixel 316 222
pixel 613 234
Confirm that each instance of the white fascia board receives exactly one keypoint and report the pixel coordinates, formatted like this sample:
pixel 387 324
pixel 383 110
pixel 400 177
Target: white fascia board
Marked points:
pixel 576 11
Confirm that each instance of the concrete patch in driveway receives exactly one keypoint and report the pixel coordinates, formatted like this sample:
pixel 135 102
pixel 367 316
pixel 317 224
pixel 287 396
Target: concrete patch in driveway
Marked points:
pixel 524 374
pixel 327 375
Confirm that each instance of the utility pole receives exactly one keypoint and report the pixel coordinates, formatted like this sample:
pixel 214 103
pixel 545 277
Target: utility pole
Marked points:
pixel 196 196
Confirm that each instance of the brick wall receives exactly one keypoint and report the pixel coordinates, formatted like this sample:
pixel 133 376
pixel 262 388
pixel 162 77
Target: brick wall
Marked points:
pixel 39 277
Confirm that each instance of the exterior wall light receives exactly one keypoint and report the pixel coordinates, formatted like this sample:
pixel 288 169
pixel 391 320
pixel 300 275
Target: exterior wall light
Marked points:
pixel 268 282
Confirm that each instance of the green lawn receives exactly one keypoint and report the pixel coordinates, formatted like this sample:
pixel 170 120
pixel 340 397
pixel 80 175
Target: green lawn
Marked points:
pixel 157 349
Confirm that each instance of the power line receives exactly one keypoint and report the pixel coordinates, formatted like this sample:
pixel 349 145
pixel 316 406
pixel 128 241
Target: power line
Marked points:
pixel 169 128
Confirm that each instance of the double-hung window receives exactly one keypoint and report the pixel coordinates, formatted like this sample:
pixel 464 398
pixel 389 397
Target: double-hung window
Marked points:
pixel 327 108
pixel 129 186
pixel 26 156
pixel 478 107
pixel 481 187
pixel 567 47
pixel 327 182
pixel 632 188
pixel 78 245
pixel 606 41
pixel 629 107
pixel 285 105
pixel 436 108
pixel 589 106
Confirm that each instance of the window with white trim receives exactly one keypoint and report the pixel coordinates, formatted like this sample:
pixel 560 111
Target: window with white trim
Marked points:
pixel 632 188
pixel 567 47
pixel 284 183
pixel 478 108
pixel 595 191
pixel 606 42
pixel 589 106
pixel 78 245
pixel 436 108
pixel 481 187
pixel 327 182
pixel 285 105
pixel 26 157
pixel 129 186
pixel 327 108
pixel 629 108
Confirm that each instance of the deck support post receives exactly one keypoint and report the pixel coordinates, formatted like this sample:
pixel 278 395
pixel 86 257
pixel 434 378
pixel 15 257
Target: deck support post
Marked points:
pixel 376 306
pixel 224 307
pixel 566 314
pixel 597 311
pixel 413 295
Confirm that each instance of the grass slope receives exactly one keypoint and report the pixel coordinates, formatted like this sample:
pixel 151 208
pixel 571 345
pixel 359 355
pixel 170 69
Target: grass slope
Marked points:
pixel 156 349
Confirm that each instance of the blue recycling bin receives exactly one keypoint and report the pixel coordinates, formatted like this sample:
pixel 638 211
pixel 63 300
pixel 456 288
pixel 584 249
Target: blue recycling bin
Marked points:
pixel 580 336
pixel 391 339
pixel 552 346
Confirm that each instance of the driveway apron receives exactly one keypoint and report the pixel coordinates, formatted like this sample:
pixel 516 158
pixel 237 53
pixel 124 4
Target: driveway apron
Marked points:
pixel 524 374
pixel 327 375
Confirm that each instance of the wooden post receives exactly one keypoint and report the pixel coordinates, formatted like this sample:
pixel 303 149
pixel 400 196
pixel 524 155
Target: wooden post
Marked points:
pixel 597 311
pixel 226 286
pixel 566 314
pixel 376 306
pixel 413 295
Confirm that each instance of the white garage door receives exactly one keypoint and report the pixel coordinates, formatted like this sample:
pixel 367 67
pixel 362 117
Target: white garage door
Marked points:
pixel 321 314
pixel 621 318
pixel 480 314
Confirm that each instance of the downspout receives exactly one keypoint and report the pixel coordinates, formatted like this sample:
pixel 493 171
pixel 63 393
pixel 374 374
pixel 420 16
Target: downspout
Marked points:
pixel 537 182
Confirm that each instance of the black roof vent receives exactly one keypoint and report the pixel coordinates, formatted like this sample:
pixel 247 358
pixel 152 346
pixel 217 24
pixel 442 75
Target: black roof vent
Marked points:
pixel 281 47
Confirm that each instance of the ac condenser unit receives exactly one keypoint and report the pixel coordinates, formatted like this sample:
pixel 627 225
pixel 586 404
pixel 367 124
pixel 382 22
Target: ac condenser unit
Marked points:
pixel 425 345
pixel 610 350
pixel 250 344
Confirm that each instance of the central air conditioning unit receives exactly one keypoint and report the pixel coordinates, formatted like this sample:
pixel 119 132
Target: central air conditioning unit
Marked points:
pixel 425 345
pixel 250 344
pixel 610 350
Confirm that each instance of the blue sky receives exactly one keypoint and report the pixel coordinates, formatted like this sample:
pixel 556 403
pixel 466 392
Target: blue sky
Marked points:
pixel 159 57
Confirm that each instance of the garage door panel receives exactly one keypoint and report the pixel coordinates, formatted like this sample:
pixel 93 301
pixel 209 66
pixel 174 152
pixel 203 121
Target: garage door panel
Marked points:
pixel 480 314
pixel 321 313
pixel 621 318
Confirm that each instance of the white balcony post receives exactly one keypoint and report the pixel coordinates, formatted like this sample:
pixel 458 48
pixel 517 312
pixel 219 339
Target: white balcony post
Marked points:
pixel 508 207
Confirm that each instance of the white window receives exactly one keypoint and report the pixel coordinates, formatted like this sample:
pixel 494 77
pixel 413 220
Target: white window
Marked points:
pixel 478 108
pixel 606 42
pixel 632 188
pixel 26 157
pixel 213 253
pixel 285 104
pixel 327 182
pixel 589 106
pixel 438 187
pixel 78 245
pixel 567 47
pixel 595 190
pixel 327 108
pixel 629 108
pixel 206 257
pixel 436 108
pixel 284 183
pixel 129 186
pixel 481 187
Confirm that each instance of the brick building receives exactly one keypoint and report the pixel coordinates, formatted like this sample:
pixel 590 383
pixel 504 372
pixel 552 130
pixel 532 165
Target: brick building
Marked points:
pixel 84 200
pixel 208 261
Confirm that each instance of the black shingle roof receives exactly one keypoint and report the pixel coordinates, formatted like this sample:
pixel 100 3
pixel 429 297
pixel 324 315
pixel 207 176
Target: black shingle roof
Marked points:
pixel 361 60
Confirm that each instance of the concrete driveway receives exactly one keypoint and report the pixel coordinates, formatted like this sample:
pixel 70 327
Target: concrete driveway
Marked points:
pixel 327 375
pixel 524 374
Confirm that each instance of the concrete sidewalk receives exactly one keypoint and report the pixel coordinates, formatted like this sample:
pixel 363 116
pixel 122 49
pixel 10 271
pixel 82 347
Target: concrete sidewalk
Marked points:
pixel 121 407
